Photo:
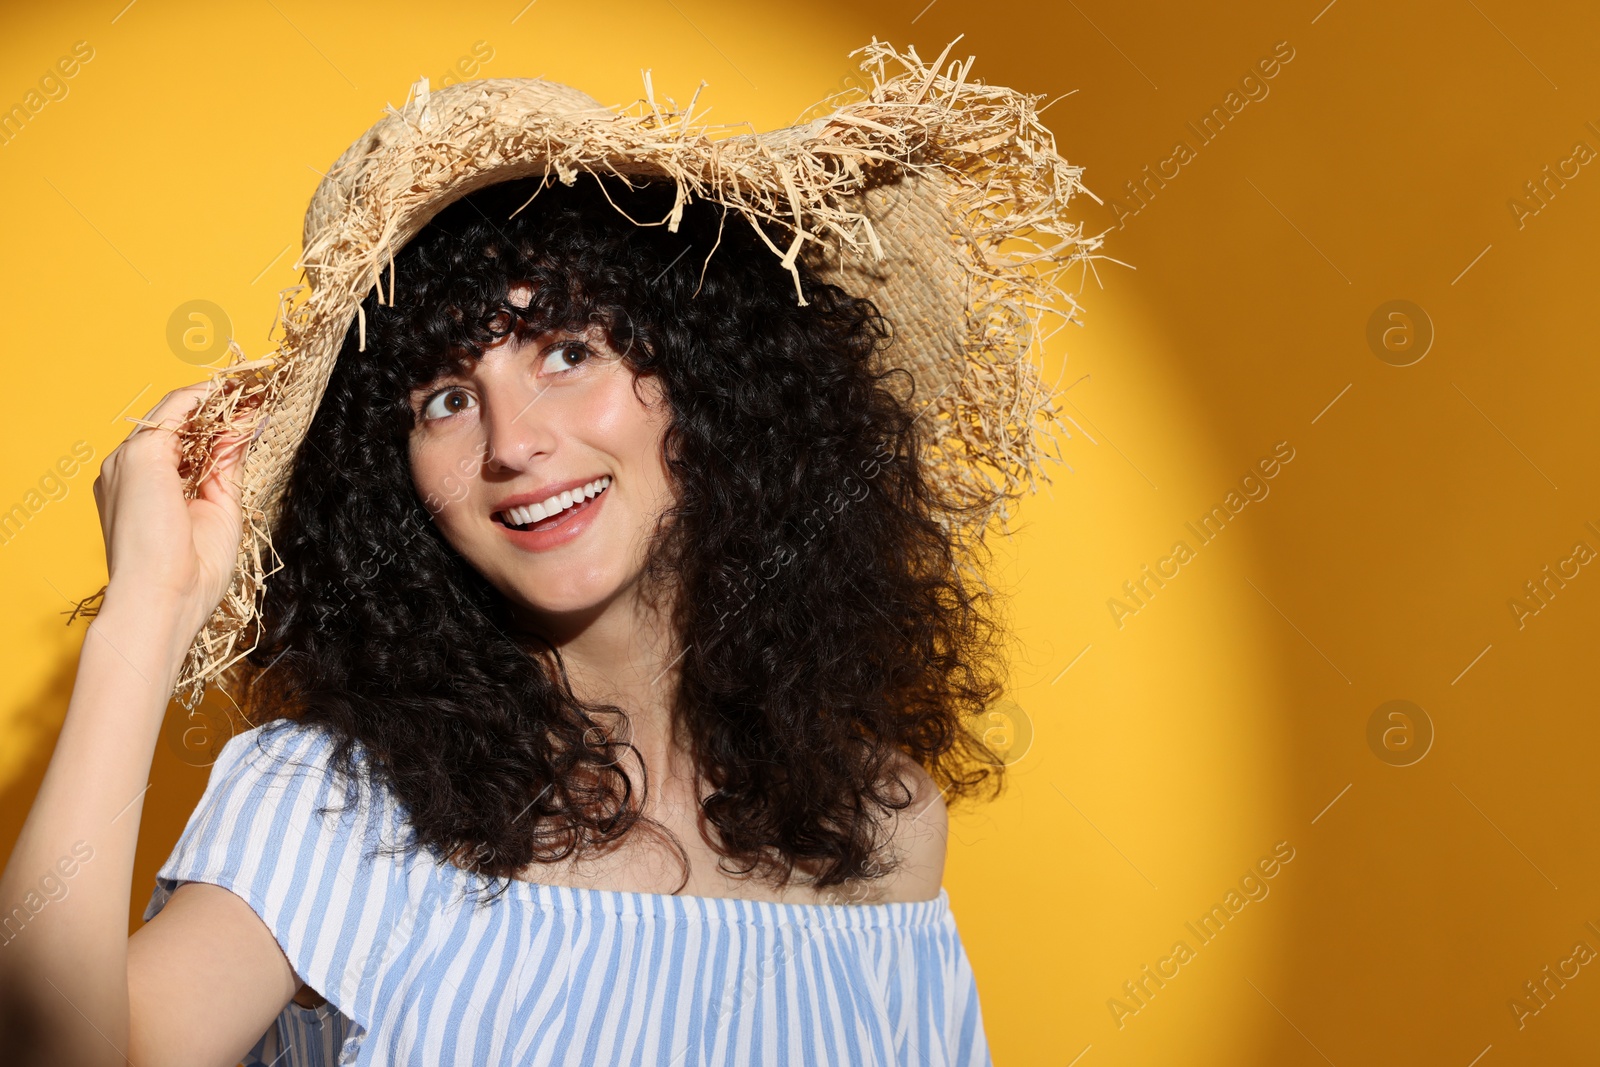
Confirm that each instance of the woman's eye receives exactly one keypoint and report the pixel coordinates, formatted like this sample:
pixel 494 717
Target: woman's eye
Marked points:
pixel 564 356
pixel 441 403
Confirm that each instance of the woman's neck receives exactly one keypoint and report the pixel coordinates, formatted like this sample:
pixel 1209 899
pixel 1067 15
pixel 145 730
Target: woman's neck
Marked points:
pixel 625 654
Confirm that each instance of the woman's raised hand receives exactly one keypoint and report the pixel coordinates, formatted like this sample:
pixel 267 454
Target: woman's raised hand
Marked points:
pixel 163 550
pixel 170 561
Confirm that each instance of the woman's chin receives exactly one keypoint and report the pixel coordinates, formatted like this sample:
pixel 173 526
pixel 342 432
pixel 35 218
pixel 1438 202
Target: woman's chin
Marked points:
pixel 560 609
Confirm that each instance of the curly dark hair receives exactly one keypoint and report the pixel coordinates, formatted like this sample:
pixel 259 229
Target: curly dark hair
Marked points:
pixel 823 619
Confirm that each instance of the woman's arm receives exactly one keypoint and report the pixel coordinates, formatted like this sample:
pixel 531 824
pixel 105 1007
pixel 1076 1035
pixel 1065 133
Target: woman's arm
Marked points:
pixel 205 980
pixel 170 561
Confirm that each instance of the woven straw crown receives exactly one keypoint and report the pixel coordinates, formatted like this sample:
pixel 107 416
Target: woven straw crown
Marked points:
pixel 941 199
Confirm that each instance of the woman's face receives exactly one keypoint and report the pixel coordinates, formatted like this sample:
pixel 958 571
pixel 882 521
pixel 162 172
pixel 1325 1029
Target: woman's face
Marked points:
pixel 542 465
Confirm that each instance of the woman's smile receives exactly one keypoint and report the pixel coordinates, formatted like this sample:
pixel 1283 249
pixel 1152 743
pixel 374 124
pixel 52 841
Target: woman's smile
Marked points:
pixel 555 520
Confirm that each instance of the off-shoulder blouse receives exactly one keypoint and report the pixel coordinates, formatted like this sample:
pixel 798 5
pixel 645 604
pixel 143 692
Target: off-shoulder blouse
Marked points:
pixel 418 969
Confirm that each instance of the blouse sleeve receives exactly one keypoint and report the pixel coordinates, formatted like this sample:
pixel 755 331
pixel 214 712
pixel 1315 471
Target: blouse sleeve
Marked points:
pixel 276 827
pixel 964 1016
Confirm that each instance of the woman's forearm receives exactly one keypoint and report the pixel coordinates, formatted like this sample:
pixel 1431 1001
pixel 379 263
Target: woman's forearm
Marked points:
pixel 67 886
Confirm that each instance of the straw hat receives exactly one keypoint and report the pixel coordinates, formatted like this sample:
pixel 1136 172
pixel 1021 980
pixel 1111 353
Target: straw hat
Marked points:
pixel 941 198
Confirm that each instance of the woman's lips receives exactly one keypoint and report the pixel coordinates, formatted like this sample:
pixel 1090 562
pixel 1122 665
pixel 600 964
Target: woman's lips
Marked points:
pixel 558 529
pixel 524 515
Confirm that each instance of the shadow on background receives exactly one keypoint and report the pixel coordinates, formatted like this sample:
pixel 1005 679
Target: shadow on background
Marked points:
pixel 1380 253
pixel 190 742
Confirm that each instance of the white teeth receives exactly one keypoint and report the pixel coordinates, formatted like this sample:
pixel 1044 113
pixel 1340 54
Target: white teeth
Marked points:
pixel 521 516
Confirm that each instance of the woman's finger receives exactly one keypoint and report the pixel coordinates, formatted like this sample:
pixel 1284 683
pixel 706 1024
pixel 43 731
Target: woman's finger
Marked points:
pixel 159 429
pixel 180 391
pixel 178 404
pixel 221 486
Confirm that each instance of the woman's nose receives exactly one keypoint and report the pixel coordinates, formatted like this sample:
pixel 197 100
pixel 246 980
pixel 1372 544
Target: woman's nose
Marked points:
pixel 515 433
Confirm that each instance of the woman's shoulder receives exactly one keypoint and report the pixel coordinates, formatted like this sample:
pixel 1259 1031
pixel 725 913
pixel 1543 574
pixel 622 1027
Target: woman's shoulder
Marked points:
pixel 278 745
pixel 315 859
pixel 916 836
pixel 927 799
pixel 274 792
pixel 286 757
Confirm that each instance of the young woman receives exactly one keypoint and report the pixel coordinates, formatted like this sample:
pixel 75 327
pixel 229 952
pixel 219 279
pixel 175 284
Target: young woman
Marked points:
pixel 620 662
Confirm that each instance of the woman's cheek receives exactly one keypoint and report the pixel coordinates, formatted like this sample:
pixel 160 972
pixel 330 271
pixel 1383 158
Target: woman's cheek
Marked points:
pixel 437 482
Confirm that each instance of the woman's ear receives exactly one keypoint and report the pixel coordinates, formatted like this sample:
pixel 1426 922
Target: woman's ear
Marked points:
pixel 671 451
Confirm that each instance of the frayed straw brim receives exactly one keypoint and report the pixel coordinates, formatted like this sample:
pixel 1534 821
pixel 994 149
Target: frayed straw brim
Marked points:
pixel 941 198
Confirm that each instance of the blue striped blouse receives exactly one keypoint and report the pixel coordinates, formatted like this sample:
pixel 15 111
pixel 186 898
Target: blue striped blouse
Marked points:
pixel 416 971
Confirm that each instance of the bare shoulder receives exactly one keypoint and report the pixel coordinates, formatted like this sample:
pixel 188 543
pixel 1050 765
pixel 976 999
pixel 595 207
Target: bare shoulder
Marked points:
pixel 927 799
pixel 917 837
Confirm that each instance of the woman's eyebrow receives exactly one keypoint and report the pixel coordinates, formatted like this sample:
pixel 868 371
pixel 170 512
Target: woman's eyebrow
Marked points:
pixel 456 373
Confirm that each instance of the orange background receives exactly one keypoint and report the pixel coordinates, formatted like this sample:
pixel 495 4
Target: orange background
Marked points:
pixel 1157 761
